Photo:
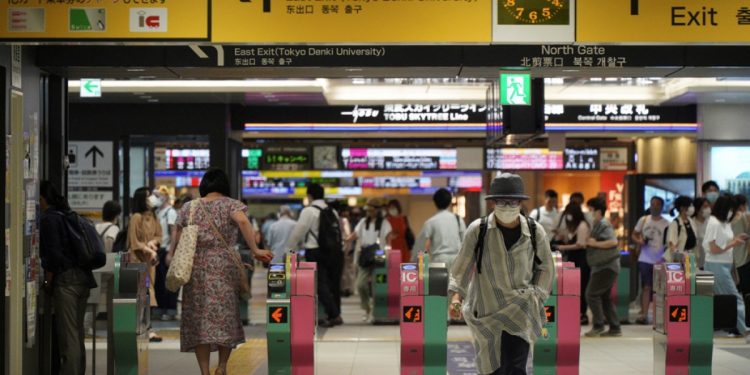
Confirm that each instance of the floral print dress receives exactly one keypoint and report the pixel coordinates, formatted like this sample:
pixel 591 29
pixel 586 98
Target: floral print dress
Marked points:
pixel 210 300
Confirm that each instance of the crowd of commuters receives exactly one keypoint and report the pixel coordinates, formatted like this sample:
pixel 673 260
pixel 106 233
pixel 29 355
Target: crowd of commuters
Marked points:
pixel 341 239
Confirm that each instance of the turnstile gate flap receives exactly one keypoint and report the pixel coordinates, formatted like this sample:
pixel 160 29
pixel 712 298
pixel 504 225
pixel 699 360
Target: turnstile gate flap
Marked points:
pixel 704 283
pixel 438 279
pixel 132 279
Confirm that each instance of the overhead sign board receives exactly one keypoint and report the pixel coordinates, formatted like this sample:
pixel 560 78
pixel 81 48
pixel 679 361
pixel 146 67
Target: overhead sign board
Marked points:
pixel 342 21
pixel 91 165
pixel 105 20
pixel 663 21
pixel 533 21
pixel 515 89
pixel 399 158
pixel 523 159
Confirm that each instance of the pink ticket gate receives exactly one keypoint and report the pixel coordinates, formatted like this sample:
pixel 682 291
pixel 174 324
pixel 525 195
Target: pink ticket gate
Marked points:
pixel 557 352
pixel 683 345
pixel 412 329
pixel 303 316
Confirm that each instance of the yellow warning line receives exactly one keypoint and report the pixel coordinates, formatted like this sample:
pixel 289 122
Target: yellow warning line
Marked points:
pixel 248 357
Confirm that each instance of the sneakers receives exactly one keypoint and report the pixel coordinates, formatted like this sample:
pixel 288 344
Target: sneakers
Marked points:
pixel 584 320
pixel 595 332
pixel 641 321
pixel 613 333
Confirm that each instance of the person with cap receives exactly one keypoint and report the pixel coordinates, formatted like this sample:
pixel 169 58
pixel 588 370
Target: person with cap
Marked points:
pixel 500 280
pixel 373 229
pixel 279 233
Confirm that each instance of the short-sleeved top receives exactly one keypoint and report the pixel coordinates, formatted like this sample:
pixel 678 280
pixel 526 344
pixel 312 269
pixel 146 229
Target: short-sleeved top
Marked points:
pixel 603 231
pixel 108 232
pixel 368 235
pixel 721 234
pixel 653 232
pixel 581 234
pixel 167 216
pixel 548 219
pixel 677 233
pixel 739 226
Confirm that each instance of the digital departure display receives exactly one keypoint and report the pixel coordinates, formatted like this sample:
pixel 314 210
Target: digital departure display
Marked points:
pixel 286 159
pixel 251 158
pixel 529 159
pixel 187 159
pixel 399 159
pixel 582 159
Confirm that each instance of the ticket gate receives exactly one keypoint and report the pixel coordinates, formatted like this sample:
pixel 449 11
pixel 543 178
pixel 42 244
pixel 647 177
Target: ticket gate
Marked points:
pixel 621 291
pixel 104 291
pixel 557 351
pixel 385 286
pixel 683 312
pixel 424 317
pixel 131 316
pixel 292 317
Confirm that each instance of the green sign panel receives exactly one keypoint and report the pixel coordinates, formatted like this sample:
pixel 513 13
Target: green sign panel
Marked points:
pixel 515 89
pixel 91 88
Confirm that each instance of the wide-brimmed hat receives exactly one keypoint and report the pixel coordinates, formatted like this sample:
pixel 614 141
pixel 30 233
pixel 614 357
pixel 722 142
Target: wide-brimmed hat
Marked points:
pixel 374 202
pixel 508 186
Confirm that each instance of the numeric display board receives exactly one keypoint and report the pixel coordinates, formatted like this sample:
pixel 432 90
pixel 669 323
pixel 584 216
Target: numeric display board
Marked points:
pixel 399 159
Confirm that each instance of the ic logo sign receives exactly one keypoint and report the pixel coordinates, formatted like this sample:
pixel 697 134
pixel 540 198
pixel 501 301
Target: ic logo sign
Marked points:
pixel 144 20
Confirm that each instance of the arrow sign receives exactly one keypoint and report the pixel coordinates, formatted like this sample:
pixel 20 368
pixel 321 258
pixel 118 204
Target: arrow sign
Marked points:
pixel 91 88
pixel 278 315
pixel 93 152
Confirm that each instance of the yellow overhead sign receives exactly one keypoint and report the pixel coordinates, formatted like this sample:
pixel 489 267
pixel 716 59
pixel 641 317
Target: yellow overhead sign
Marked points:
pixel 663 21
pixel 352 21
pixel 104 20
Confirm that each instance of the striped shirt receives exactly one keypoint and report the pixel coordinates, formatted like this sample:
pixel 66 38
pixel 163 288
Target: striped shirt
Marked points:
pixel 510 292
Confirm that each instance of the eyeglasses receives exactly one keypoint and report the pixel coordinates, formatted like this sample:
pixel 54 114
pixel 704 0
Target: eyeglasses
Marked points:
pixel 512 203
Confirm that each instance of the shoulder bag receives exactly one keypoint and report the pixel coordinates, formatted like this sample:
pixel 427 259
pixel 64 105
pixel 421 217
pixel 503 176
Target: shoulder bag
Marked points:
pixel 244 287
pixel 182 264
pixel 366 258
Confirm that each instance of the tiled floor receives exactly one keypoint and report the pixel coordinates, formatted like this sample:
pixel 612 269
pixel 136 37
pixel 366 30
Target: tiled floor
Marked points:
pixel 360 349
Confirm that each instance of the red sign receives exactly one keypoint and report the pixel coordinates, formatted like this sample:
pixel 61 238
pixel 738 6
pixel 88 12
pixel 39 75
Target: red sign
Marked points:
pixel 678 314
pixel 549 311
pixel 412 314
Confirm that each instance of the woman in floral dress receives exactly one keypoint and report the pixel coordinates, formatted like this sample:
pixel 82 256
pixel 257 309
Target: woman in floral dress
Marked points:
pixel 210 301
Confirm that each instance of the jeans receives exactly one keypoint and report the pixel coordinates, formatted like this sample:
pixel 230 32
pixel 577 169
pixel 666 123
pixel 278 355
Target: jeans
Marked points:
pixel 724 284
pixel 329 280
pixel 598 296
pixel 69 295
pixel 514 353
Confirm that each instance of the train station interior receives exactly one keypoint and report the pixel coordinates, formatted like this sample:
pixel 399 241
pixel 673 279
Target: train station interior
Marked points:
pixel 386 107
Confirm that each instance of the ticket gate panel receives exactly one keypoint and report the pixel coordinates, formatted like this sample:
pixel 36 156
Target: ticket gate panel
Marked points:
pixel 545 348
pixel 279 338
pixel 701 335
pixel 394 273
pixel 436 320
pixel 412 335
pixel 380 288
pixel 303 311
pixel 568 334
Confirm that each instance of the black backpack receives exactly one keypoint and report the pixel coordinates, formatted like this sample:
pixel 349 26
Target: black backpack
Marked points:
pixel 121 241
pixel 85 242
pixel 692 241
pixel 479 247
pixel 329 232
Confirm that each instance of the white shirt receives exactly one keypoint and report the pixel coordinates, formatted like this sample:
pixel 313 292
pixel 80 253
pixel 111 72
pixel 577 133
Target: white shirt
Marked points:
pixel 167 217
pixel 721 234
pixel 653 232
pixel 278 236
pixel 368 235
pixel 306 230
pixel 446 231
pixel 108 232
pixel 548 219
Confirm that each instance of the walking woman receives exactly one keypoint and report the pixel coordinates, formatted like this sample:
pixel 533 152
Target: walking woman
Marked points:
pixel 144 235
pixel 210 301
pixel 400 225
pixel 700 219
pixel 574 236
pixel 681 237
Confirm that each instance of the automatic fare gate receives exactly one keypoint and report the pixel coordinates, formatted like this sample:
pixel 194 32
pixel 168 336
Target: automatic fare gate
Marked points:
pixel 386 285
pixel 683 316
pixel 292 317
pixel 424 318
pixel 557 351
pixel 131 317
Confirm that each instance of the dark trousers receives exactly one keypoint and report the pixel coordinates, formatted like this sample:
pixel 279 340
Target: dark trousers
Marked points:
pixel 579 258
pixel 744 287
pixel 165 300
pixel 514 352
pixel 598 295
pixel 69 295
pixel 330 268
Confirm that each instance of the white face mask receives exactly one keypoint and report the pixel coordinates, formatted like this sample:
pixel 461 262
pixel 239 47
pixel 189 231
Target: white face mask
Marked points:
pixel 712 197
pixel 393 212
pixel 507 215
pixel 706 212
pixel 155 202
pixel 691 211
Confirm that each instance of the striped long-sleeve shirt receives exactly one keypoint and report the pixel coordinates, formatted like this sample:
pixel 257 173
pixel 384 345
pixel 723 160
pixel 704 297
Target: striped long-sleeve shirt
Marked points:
pixel 510 292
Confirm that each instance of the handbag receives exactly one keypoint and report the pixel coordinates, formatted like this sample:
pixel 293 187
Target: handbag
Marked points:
pixel 366 258
pixel 182 264
pixel 244 288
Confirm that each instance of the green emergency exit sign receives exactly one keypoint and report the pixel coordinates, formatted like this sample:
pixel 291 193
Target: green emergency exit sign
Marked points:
pixel 515 89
